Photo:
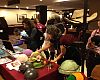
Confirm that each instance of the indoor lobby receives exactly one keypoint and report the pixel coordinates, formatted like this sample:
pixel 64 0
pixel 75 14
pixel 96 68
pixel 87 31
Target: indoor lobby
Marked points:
pixel 29 50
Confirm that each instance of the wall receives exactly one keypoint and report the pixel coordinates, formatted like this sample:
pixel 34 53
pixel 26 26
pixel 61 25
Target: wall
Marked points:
pixel 11 14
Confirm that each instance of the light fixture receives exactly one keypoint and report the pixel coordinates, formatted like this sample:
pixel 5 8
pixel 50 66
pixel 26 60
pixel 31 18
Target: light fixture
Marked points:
pixel 70 14
pixel 61 0
pixel 37 13
pixel 16 6
pixel 27 7
pixel 5 5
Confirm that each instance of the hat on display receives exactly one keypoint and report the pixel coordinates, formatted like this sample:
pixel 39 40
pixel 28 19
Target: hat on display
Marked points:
pixel 22 58
pixel 31 74
pixel 24 66
pixel 28 52
pixel 68 67
pixel 3 53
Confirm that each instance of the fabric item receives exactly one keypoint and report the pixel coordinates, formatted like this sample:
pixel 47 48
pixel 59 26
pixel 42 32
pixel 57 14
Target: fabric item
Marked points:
pixel 68 67
pixel 13 65
pixel 28 52
pixel 23 33
pixel 2 52
pixel 20 42
pixel 68 39
pixel 71 77
pixel 79 76
pixel 40 26
pixel 22 58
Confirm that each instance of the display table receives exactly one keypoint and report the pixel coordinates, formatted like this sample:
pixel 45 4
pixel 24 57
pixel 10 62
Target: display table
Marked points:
pixel 44 73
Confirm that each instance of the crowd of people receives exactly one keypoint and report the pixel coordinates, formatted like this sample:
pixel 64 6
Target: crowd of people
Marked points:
pixel 93 47
pixel 56 42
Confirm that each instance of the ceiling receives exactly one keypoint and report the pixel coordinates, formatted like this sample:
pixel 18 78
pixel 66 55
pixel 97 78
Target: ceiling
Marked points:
pixel 53 4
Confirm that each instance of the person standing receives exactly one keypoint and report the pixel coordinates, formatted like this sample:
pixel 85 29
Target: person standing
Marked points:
pixel 93 47
pixel 32 39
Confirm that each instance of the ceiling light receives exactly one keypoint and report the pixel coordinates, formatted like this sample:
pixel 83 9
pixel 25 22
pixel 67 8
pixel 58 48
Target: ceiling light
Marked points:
pixel 61 0
pixel 27 7
pixel 70 14
pixel 37 13
pixel 40 0
pixel 16 6
pixel 52 9
pixel 5 6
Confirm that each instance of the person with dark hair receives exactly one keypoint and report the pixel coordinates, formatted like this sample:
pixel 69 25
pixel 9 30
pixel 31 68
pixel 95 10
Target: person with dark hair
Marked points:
pixel 33 38
pixel 4 33
pixel 93 47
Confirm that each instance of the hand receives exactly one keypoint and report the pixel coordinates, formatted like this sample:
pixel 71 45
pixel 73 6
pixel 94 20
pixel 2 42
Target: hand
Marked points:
pixel 53 61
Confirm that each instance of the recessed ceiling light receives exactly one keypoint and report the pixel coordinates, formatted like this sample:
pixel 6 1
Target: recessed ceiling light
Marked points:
pixel 61 0
pixel 5 5
pixel 16 6
pixel 52 9
pixel 40 0
pixel 27 7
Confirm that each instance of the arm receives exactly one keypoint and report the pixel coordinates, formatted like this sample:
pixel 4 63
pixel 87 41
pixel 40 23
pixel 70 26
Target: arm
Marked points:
pixel 62 52
pixel 47 46
pixel 43 48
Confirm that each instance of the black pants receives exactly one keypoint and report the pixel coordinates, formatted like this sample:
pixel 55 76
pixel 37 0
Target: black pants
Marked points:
pixel 93 59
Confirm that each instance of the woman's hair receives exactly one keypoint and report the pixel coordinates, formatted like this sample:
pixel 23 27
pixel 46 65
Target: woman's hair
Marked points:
pixel 61 27
pixel 28 22
pixel 54 31
pixel 36 20
pixel 50 22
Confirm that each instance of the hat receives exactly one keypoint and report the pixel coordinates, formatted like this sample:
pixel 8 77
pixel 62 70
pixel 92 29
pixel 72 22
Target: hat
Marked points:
pixel 28 52
pixel 68 67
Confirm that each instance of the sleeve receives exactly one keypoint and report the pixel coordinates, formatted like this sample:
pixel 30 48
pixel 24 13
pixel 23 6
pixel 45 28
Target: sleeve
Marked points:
pixel 33 33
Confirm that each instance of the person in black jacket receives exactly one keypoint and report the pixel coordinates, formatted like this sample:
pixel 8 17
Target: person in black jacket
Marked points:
pixel 33 38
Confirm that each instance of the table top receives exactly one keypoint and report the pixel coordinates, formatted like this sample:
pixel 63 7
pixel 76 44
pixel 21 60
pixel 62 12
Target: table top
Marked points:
pixel 43 73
